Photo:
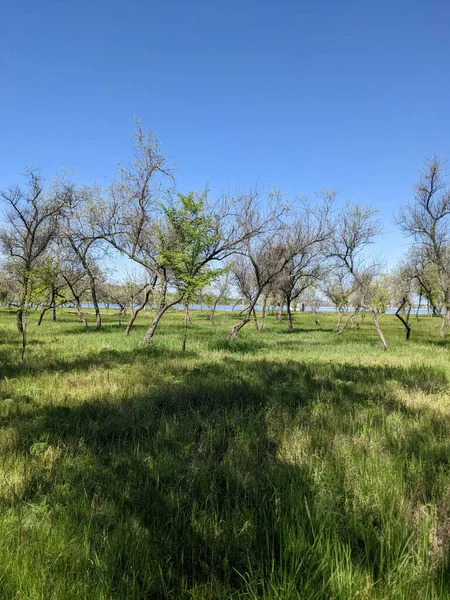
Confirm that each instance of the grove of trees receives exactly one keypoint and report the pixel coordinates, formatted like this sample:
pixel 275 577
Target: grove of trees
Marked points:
pixel 258 248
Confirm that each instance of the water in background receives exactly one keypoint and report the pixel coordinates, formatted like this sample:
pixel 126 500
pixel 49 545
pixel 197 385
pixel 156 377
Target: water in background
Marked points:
pixel 322 309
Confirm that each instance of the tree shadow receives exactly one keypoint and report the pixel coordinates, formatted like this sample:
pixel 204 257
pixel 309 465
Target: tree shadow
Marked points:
pixel 190 486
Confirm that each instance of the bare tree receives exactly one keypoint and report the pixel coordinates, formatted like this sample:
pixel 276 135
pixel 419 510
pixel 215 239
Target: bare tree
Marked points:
pixel 32 216
pixel 79 232
pixel 303 272
pixel 402 293
pixel 426 219
pixel 356 229
pixel 217 291
pixel 76 282
pixel 286 234
pixel 337 287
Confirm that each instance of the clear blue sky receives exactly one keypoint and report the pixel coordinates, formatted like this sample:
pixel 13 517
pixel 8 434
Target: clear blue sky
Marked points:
pixel 304 95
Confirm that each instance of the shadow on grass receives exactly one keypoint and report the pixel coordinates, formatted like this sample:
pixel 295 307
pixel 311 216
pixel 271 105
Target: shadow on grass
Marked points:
pixel 188 487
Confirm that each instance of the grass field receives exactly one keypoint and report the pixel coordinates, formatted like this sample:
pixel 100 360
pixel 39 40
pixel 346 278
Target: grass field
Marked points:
pixel 288 465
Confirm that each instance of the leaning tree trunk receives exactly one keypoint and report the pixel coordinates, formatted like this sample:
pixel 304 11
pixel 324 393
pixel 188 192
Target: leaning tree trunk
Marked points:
pixel 41 316
pixel 213 309
pixel 406 325
pixel 255 318
pixel 348 322
pixel 135 312
pixel 80 313
pixel 379 331
pixel 235 330
pixel 263 314
pixel 156 319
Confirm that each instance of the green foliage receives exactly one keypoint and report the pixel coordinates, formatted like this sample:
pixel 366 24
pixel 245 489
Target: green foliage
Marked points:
pixel 195 235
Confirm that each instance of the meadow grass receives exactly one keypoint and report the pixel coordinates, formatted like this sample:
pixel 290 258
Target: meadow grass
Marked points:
pixel 286 465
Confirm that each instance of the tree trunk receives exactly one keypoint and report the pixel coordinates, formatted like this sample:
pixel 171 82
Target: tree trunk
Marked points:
pixel 263 314
pixel 54 312
pixel 235 330
pixel 135 312
pixel 80 313
pixel 349 321
pixel 339 318
pixel 24 339
pixel 377 325
pixel 255 318
pixel 418 306
pixel 404 321
pixel 20 320
pixel 289 315
pixel 41 316
pixel 186 320
pixel 212 316
pixel 280 313
pixel 156 319
pixel 98 317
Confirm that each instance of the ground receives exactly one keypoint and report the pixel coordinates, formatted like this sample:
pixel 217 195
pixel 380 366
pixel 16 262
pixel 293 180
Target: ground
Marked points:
pixel 288 464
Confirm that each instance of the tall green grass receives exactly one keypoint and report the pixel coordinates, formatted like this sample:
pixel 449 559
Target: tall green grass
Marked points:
pixel 286 465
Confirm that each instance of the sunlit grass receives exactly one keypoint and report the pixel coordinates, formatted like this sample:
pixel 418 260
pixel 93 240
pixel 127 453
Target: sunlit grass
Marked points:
pixel 283 465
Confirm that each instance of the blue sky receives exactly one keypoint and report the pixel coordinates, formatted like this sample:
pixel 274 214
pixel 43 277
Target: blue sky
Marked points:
pixel 302 95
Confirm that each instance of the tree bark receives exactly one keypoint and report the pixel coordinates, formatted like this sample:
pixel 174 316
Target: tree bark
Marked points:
pixel 41 316
pixel 349 320
pixel 289 314
pixel 235 330
pixel 157 318
pixel 98 318
pixel 280 313
pixel 19 320
pixel 24 340
pixel 406 325
pixel 377 325
pixel 135 312
pixel 255 318
pixel 263 314
pixel 418 306
pixel 80 313
pixel 186 320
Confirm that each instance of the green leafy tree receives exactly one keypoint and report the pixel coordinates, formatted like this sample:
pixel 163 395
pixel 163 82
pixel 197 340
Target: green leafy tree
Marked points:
pixel 194 236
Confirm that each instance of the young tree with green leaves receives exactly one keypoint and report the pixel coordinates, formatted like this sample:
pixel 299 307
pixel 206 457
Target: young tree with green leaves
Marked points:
pixel 195 236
